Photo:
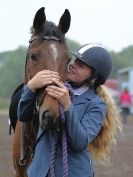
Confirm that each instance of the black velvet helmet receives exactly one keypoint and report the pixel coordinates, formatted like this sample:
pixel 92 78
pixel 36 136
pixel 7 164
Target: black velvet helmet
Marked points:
pixel 98 58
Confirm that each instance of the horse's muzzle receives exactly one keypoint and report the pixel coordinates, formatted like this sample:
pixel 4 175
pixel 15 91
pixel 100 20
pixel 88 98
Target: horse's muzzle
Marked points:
pixel 48 122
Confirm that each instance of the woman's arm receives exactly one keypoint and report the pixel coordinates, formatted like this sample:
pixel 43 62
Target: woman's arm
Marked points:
pixel 26 105
pixel 83 132
pixel 80 133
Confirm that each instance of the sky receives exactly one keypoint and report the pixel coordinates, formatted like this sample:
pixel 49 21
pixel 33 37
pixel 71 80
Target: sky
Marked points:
pixel 109 22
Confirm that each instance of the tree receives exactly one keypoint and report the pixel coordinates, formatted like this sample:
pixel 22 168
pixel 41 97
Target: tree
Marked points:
pixel 12 71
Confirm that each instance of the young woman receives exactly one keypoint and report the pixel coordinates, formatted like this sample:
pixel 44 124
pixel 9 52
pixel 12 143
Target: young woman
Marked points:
pixel 91 120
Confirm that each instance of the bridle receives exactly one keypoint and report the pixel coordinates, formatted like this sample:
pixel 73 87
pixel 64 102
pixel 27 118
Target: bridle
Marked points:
pixel 50 32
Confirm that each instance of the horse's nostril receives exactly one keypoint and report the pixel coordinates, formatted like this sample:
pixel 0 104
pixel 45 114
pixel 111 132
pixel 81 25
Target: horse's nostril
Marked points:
pixel 48 122
pixel 47 119
pixel 46 115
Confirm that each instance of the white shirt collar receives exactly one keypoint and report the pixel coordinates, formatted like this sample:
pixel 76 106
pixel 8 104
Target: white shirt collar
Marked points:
pixel 81 90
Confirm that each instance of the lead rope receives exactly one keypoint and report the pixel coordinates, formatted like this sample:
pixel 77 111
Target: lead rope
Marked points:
pixel 64 140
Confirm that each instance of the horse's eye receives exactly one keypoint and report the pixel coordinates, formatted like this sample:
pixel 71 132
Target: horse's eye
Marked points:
pixel 33 57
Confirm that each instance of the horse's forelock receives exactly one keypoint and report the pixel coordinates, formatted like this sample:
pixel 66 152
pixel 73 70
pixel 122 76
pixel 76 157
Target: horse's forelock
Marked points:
pixel 50 30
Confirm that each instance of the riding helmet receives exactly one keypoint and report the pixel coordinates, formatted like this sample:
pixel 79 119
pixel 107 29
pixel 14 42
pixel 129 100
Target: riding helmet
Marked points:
pixel 96 57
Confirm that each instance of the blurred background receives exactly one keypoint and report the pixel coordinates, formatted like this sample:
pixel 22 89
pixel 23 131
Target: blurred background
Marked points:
pixel 108 22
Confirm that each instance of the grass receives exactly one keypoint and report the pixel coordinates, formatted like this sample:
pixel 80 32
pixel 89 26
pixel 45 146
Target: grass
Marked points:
pixel 4 104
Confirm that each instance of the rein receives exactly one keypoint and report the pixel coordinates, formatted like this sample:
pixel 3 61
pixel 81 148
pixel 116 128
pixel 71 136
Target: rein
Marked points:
pixel 64 140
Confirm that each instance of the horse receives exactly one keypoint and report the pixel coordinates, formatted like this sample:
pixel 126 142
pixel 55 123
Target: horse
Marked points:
pixel 47 50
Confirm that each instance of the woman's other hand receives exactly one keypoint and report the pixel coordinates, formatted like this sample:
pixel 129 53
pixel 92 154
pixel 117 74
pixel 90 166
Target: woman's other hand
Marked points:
pixel 61 93
pixel 42 78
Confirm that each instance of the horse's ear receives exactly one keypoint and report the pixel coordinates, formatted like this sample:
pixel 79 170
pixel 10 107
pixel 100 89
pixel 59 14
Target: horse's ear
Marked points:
pixel 39 20
pixel 64 22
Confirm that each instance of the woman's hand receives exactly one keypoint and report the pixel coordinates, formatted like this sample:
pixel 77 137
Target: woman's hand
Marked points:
pixel 42 78
pixel 61 93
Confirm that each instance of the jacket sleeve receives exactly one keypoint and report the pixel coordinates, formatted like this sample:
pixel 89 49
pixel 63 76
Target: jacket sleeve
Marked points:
pixel 82 131
pixel 26 105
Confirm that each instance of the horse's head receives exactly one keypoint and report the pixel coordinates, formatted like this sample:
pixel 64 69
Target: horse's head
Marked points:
pixel 48 50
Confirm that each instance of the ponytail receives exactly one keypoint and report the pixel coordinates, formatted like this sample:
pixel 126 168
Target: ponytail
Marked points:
pixel 100 146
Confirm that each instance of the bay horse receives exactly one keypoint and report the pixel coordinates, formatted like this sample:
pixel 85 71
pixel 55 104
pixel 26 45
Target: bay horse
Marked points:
pixel 47 51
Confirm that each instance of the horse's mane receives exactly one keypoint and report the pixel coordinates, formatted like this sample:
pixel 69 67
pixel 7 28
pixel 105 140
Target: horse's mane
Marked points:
pixel 49 30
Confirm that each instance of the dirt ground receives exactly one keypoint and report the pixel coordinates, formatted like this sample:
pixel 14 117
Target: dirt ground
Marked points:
pixel 121 156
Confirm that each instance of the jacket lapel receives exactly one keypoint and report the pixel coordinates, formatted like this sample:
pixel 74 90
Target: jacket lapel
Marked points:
pixel 84 97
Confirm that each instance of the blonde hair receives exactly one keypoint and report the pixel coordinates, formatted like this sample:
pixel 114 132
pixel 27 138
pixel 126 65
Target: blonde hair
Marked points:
pixel 100 146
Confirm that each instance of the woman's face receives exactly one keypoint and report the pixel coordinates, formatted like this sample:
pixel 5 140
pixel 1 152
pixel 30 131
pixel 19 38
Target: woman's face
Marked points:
pixel 78 71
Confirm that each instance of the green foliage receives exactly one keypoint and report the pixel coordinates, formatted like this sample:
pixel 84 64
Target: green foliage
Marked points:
pixel 12 71
pixel 4 104
pixel 122 59
pixel 73 45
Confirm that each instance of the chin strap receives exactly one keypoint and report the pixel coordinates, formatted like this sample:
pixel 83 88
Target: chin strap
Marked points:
pixel 64 140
